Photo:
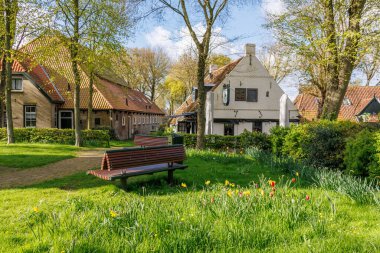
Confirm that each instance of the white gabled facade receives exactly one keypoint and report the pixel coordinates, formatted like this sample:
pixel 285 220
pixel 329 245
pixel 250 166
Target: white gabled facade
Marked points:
pixel 254 99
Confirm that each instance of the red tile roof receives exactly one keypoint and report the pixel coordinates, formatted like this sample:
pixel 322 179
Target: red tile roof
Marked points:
pixel 215 78
pixel 359 97
pixel 56 66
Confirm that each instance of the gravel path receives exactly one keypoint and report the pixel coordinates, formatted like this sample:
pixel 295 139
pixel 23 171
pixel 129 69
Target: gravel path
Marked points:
pixel 86 160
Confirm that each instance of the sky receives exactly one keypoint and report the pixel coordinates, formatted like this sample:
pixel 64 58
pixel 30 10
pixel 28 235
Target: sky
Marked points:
pixel 245 25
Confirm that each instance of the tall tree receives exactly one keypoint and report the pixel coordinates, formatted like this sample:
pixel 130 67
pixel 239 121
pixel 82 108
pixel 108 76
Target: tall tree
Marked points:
pixel 10 13
pixel 277 60
pixel 151 66
pixel 209 13
pixel 326 36
pixel 108 25
pixel 185 71
pixel 370 63
pixel 76 21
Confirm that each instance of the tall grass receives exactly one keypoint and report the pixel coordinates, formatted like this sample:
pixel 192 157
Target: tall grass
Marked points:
pixel 362 191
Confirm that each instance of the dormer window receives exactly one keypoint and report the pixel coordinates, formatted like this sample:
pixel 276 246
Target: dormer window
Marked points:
pixel 346 101
pixel 17 84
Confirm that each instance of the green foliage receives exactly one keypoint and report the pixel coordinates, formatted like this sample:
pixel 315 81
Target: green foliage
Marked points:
pixel 320 143
pixel 240 215
pixel 277 138
pixel 361 191
pixel 359 153
pixel 58 136
pixel 374 169
pixel 245 140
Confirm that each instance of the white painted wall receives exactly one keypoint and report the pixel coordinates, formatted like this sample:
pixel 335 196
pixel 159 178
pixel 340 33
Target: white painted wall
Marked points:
pixel 249 73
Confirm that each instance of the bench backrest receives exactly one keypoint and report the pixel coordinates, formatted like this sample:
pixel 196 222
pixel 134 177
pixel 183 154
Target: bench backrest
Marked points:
pixel 135 157
pixel 150 141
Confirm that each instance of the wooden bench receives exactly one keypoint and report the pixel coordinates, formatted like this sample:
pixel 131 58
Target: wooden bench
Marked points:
pixel 150 141
pixel 124 163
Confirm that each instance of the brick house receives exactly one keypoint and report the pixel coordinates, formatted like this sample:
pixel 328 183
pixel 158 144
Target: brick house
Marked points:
pixel 360 104
pixel 42 96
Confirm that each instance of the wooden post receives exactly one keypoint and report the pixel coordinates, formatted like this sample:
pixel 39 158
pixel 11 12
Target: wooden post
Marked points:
pixel 170 177
pixel 123 182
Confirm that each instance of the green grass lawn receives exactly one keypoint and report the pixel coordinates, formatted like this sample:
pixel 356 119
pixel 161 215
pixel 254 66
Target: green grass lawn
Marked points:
pixel 26 155
pixel 82 213
pixel 121 144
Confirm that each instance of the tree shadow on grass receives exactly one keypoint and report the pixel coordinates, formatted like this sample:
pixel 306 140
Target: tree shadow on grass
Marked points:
pixel 202 167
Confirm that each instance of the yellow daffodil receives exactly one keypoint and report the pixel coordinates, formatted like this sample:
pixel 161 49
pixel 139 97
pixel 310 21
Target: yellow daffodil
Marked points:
pixel 261 191
pixel 113 214
pixel 226 183
pixel 183 185
pixel 297 174
pixel 247 193
pixel 207 182
pixel 232 185
pixel 35 209
pixel 229 193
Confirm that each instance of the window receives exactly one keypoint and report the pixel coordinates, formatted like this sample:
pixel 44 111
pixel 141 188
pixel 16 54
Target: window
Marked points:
pixel 252 95
pixel 143 120
pixel 257 126
pixel 16 84
pixel 181 127
pixel 65 119
pixel 134 120
pixel 117 116
pixel 30 115
pixel 123 121
pixel 228 129
pixel 97 122
pixel 267 94
pixel 240 94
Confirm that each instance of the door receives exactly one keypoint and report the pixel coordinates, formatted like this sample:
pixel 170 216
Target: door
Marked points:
pixel 65 119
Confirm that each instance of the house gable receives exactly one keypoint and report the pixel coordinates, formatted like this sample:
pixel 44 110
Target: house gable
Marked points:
pixel 249 73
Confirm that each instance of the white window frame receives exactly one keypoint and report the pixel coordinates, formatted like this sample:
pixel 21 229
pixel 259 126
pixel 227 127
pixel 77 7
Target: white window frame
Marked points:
pixel 143 120
pixel 123 120
pixel 22 85
pixel 30 113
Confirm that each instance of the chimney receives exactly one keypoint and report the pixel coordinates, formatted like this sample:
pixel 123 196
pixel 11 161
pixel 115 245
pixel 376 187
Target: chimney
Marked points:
pixel 250 49
pixel 212 68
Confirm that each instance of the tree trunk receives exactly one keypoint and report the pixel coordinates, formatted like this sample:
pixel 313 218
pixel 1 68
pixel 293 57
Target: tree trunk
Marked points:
pixel 91 92
pixel 74 62
pixel 2 91
pixel 337 90
pixel 8 70
pixel 201 113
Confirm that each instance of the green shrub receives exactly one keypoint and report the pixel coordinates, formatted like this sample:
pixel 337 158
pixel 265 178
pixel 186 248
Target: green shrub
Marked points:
pixel 359 153
pixel 58 136
pixel 243 141
pixel 277 138
pixel 374 168
pixel 322 143
pixel 110 130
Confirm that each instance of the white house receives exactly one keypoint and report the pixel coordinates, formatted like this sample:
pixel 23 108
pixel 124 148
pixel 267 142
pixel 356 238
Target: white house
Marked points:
pixel 241 95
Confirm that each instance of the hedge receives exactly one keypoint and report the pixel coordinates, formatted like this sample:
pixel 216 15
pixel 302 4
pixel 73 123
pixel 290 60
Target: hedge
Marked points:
pixel 59 136
pixel 360 152
pixel 321 143
pixel 243 141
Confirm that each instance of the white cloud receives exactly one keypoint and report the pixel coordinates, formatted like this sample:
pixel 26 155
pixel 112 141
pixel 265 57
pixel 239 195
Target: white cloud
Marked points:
pixel 273 6
pixel 177 42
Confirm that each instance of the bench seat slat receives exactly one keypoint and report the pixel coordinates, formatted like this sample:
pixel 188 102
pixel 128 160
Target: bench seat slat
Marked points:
pixel 136 171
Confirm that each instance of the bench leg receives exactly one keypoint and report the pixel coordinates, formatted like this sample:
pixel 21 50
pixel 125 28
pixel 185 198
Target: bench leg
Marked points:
pixel 123 182
pixel 170 177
